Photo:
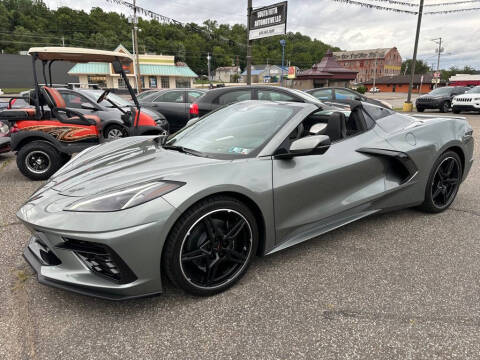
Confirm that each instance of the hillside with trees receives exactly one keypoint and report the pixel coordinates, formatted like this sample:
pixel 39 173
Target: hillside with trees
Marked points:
pixel 27 23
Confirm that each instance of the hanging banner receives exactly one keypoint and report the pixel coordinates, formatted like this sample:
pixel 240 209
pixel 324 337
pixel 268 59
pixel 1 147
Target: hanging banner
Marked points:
pixel 268 21
pixel 292 72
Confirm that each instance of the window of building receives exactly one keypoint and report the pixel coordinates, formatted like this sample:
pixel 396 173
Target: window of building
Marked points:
pixel 142 81
pixel 182 83
pixel 99 80
pixel 153 82
pixel 121 83
pixel 165 81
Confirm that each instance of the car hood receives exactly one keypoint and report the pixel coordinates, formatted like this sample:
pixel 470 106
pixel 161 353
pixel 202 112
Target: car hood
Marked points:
pixel 428 96
pixel 122 163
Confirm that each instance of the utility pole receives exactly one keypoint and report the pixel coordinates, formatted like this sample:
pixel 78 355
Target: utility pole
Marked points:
pixel 375 70
pixel 249 44
pixel 439 42
pixel 135 37
pixel 414 59
pixel 282 42
pixel 208 61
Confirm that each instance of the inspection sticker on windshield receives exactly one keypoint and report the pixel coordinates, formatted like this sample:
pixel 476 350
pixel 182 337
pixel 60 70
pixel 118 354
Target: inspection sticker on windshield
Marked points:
pixel 239 150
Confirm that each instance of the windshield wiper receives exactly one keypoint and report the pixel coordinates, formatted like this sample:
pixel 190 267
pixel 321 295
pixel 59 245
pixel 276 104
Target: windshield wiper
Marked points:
pixel 182 150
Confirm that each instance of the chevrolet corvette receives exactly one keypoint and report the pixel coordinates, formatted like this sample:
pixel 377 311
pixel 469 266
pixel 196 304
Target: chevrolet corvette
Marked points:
pixel 248 179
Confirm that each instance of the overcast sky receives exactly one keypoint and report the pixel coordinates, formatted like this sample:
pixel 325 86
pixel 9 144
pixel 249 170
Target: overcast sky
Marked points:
pixel 347 26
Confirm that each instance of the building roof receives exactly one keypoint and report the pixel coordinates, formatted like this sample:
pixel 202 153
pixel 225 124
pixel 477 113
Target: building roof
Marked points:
pixel 328 67
pixel 145 69
pixel 401 79
pixel 228 68
pixel 362 54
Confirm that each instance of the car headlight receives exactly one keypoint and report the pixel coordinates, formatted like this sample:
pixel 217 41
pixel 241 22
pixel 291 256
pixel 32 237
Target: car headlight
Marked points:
pixel 125 198
pixel 4 128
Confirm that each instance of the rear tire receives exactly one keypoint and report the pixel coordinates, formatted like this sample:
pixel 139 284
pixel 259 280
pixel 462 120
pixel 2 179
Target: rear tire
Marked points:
pixel 199 256
pixel 443 184
pixel 445 107
pixel 39 160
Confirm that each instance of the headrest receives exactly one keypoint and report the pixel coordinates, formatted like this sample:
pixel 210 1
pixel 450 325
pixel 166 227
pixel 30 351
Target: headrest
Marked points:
pixel 54 97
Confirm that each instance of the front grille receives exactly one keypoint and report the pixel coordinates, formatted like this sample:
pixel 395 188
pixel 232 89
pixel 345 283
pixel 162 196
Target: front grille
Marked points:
pixel 463 99
pixel 101 259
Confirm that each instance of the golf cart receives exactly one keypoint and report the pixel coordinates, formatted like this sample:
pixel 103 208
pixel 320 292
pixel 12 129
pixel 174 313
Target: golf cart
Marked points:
pixel 46 135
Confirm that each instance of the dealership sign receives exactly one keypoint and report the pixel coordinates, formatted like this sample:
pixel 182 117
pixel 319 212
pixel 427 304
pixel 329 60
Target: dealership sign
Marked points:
pixel 268 21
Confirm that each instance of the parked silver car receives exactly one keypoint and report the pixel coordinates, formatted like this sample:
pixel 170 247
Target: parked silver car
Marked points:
pixel 251 178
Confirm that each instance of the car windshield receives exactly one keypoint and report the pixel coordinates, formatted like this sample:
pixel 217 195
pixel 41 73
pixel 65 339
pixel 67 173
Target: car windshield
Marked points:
pixel 475 90
pixel 235 131
pixel 441 91
pixel 305 95
pixel 113 97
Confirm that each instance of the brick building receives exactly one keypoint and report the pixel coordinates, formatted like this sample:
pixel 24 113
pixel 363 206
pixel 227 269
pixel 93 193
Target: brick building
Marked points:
pixel 328 72
pixel 399 83
pixel 388 62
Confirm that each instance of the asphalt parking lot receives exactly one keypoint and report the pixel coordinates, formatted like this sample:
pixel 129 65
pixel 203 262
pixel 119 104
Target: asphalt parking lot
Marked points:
pixel 403 285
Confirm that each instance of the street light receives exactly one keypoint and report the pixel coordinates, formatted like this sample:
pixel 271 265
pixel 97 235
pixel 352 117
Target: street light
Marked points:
pixel 282 42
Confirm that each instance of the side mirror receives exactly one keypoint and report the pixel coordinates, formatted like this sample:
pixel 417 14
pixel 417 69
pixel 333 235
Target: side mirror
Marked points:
pixel 310 145
pixel 358 98
pixel 88 106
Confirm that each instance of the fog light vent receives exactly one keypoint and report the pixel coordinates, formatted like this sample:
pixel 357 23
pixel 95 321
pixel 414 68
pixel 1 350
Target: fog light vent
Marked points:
pixel 101 259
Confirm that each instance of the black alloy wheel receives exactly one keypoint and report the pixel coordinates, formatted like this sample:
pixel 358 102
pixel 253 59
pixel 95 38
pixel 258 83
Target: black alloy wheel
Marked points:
pixel 443 183
pixel 211 246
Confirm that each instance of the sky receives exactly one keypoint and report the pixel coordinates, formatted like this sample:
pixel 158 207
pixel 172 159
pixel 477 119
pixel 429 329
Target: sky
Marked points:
pixel 347 26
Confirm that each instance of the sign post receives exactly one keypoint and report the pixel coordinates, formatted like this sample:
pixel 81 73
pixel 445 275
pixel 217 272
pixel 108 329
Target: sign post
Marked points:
pixel 263 22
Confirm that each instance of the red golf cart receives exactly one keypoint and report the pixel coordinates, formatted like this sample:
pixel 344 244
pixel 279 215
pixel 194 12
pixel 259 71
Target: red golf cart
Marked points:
pixel 46 135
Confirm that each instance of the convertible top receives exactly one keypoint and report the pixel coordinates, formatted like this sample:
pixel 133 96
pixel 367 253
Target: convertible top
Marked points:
pixel 78 55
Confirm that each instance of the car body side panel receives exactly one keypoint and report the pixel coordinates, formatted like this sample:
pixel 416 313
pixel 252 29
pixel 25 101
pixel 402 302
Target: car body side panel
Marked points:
pixel 310 189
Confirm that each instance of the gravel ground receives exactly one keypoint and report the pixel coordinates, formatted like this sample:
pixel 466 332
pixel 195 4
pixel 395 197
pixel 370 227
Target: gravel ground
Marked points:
pixel 403 285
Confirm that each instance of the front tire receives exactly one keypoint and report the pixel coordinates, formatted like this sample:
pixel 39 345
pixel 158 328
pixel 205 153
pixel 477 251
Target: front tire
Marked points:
pixel 443 183
pixel 455 111
pixel 211 246
pixel 115 132
pixel 39 160
pixel 420 109
pixel 445 107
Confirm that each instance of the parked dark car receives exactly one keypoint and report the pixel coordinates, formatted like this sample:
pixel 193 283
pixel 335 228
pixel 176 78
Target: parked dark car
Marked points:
pixel 174 104
pixel 215 98
pixel 439 98
pixel 109 110
pixel 343 95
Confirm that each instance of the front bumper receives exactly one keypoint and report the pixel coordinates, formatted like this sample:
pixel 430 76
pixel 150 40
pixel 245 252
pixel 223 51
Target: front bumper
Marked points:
pixel 136 249
pixel 474 106
pixel 431 104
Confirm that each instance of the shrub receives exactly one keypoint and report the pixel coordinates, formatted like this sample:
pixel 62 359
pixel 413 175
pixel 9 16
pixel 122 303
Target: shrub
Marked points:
pixel 362 89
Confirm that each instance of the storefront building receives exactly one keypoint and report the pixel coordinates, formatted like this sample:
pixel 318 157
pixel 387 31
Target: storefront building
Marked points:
pixel 156 71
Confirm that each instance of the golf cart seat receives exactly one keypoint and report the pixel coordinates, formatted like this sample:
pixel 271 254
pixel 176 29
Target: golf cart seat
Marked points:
pixel 56 102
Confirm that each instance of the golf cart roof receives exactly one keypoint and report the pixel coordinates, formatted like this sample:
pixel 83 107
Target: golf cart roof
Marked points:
pixel 78 55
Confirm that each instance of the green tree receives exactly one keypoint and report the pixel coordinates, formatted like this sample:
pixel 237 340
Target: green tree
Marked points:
pixel 421 67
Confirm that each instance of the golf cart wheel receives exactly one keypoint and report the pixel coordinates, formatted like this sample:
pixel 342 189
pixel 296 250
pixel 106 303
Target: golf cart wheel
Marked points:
pixel 445 107
pixel 420 109
pixel 443 183
pixel 39 160
pixel 114 132
pixel 211 246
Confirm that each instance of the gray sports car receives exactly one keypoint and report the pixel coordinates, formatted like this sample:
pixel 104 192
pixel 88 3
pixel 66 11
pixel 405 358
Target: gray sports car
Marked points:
pixel 251 178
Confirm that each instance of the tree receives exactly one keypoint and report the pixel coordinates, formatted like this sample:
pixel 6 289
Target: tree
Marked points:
pixel 421 67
